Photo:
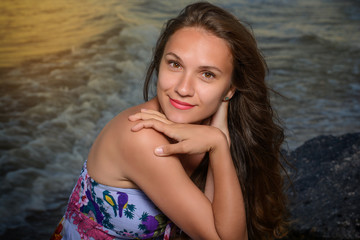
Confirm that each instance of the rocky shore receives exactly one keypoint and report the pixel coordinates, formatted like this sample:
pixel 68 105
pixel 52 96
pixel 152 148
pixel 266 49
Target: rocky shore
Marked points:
pixel 325 198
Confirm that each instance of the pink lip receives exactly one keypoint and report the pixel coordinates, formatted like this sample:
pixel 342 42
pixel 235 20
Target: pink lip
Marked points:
pixel 180 105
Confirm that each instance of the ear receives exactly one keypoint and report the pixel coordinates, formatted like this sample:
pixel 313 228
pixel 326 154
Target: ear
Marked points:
pixel 229 93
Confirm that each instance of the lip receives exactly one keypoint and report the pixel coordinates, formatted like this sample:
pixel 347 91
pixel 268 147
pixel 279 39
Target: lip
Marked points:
pixel 181 105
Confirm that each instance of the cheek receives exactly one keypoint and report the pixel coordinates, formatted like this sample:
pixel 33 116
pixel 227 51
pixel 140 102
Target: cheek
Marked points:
pixel 164 80
pixel 211 99
pixel 211 95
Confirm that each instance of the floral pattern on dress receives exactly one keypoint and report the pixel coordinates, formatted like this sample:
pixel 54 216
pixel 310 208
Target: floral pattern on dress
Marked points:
pixel 97 211
pixel 86 226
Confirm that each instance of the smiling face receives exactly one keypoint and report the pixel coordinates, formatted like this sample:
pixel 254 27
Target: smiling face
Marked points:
pixel 194 75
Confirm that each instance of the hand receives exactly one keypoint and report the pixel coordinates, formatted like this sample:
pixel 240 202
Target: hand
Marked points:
pixel 219 119
pixel 190 138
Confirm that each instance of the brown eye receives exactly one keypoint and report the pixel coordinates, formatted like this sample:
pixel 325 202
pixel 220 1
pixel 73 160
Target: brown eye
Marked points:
pixel 175 65
pixel 208 75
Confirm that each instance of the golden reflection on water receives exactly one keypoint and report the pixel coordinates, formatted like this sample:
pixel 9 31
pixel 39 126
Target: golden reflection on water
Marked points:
pixel 32 28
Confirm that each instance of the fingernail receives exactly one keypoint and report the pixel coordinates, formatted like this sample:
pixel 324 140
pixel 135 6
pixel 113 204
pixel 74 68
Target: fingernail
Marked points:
pixel 159 150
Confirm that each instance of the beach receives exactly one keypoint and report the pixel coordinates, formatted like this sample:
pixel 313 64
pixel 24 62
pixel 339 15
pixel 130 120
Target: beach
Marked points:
pixel 68 68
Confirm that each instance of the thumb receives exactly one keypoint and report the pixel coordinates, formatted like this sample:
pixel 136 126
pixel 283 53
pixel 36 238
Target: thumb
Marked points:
pixel 170 149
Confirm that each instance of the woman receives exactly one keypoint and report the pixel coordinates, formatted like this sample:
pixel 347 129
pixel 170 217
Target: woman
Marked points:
pixel 204 152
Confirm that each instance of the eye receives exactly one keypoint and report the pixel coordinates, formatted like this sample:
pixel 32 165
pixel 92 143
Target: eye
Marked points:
pixel 174 64
pixel 208 75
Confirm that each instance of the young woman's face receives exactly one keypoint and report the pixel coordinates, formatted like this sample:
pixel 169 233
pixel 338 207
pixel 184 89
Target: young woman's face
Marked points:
pixel 194 75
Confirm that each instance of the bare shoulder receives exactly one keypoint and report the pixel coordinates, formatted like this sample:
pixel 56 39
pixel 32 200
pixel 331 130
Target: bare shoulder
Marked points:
pixel 114 150
pixel 121 123
pixel 125 138
pixel 137 148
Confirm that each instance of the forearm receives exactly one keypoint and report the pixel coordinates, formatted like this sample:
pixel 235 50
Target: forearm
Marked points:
pixel 228 203
pixel 226 212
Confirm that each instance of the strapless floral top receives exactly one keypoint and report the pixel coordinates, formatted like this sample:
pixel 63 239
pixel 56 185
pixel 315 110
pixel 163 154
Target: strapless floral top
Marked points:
pixel 97 211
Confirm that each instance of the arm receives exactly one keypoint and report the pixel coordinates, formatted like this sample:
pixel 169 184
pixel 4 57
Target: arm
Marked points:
pixel 228 203
pixel 197 216
pixel 214 178
pixel 165 182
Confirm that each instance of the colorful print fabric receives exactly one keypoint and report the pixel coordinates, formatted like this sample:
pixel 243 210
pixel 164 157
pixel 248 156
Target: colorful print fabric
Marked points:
pixel 96 211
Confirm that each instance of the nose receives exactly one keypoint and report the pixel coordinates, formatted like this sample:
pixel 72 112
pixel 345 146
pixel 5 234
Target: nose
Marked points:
pixel 185 87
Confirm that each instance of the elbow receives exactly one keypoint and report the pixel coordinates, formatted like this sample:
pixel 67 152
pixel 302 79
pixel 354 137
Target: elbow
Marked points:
pixel 223 234
pixel 233 234
pixel 205 234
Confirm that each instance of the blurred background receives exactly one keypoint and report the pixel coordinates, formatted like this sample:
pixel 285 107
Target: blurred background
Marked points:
pixel 68 67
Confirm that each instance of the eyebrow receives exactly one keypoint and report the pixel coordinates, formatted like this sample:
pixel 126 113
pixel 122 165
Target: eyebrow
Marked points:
pixel 202 67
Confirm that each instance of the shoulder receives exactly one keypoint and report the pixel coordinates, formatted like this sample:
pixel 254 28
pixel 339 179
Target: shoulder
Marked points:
pixel 137 148
pixel 118 151
pixel 133 147
pixel 121 127
pixel 121 123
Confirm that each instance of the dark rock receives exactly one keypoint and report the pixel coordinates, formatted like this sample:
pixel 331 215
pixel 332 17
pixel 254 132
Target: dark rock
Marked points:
pixel 327 187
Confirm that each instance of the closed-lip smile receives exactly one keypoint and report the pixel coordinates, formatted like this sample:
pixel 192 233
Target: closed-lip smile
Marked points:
pixel 181 105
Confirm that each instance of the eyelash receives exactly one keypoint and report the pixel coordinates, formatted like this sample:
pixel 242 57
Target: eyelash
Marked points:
pixel 212 75
pixel 172 64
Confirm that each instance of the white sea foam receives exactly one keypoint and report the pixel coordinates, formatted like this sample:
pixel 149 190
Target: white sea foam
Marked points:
pixel 81 95
pixel 54 107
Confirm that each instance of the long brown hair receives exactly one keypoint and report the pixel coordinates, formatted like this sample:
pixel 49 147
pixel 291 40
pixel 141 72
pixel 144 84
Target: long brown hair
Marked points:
pixel 255 133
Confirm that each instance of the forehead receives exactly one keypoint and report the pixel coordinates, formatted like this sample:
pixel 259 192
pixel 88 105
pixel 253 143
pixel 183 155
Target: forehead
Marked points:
pixel 194 42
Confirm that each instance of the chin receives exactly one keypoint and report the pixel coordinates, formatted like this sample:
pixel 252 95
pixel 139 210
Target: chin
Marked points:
pixel 182 116
pixel 183 119
pixel 178 119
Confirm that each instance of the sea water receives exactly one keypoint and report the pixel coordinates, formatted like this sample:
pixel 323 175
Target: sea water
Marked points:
pixel 68 67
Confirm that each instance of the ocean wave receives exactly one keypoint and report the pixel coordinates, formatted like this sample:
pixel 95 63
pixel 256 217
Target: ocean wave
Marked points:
pixel 64 104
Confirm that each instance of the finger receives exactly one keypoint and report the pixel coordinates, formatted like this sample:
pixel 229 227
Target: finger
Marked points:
pixel 157 113
pixel 147 116
pixel 172 149
pixel 153 112
pixel 158 126
pixel 149 123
